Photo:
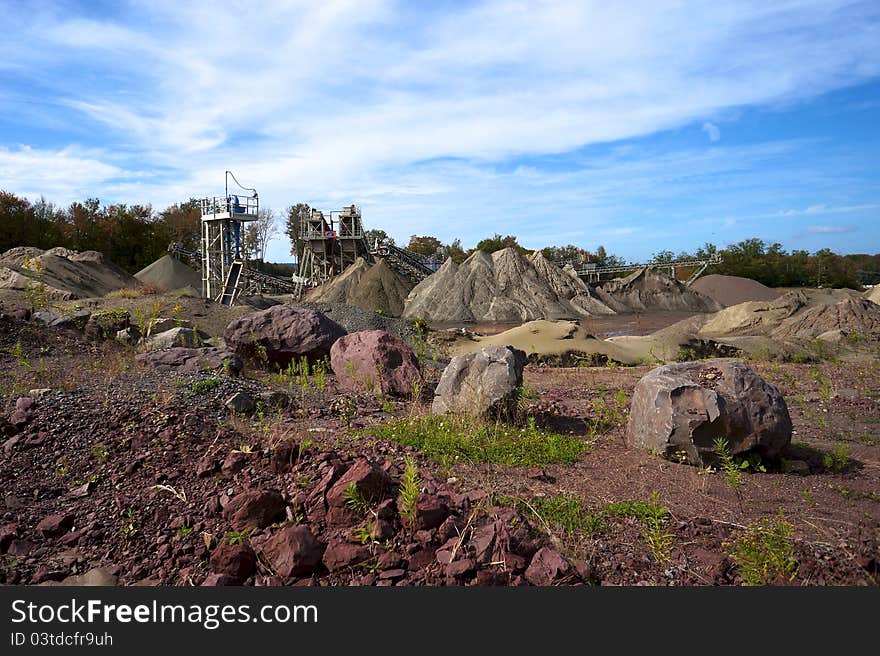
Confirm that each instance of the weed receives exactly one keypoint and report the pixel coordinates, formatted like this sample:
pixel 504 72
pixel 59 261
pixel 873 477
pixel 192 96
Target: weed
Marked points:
pixel 17 351
pixel 36 290
pixel 356 500
pixel 808 497
pixel 364 534
pixel 101 452
pixel 236 537
pixel 764 552
pixel 180 495
pixel 206 385
pixel 129 529
pixel 731 469
pixel 410 486
pixel 446 439
pixel 655 532
pixel 183 531
pixel 838 459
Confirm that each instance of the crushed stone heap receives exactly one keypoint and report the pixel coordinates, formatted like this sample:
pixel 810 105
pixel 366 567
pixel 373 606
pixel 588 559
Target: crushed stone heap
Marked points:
pixel 503 287
pixel 65 274
pixel 650 289
pixel 378 288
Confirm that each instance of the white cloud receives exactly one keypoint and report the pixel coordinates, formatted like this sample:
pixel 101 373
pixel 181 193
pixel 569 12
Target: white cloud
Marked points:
pixel 830 230
pixel 814 210
pixel 414 110
pixel 712 130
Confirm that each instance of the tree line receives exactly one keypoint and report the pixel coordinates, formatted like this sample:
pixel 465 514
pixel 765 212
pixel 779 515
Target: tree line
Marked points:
pixel 134 236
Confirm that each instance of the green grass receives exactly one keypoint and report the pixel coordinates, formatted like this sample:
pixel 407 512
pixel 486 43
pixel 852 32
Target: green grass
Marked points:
pixel 446 439
pixel 764 552
pixel 569 514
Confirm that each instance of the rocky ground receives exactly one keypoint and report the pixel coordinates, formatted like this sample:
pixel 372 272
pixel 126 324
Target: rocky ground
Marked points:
pixel 125 474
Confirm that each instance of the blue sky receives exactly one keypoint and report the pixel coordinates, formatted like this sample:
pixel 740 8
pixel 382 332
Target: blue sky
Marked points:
pixel 639 126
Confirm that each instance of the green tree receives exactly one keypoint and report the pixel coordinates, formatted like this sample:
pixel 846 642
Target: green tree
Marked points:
pixel 497 243
pixel 424 245
pixel 296 216
pixel 377 236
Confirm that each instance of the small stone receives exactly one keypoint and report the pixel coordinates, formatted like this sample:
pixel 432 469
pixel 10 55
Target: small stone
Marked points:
pixel 241 403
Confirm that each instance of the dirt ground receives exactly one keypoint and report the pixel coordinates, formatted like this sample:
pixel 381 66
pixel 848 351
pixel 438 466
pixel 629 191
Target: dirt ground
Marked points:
pixel 122 431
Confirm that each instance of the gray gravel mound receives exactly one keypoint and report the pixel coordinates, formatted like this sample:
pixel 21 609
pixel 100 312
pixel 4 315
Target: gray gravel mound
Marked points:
pixel 355 319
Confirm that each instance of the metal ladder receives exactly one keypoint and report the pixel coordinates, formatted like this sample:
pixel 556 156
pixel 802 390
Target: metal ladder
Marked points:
pixel 230 288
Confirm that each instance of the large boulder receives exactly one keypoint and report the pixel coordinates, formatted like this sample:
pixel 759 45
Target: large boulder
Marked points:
pixel 373 359
pixel 482 383
pixel 255 509
pixel 192 359
pixel 177 336
pixel 679 410
pixel 281 333
pixel 293 551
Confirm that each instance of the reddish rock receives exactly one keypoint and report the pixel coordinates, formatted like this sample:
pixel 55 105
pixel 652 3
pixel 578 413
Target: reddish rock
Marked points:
pixel 192 359
pixel 8 532
pixel 284 457
pixel 44 574
pixel 255 509
pixel 340 554
pixel 206 467
pixel 684 407
pixel 55 525
pixel 382 530
pixel 19 418
pixel 82 491
pixel 20 547
pixel 430 512
pixel 370 481
pixel 293 551
pixel 483 542
pixel 281 333
pixel 547 567
pixel 234 463
pixel 236 560
pixel 24 403
pixel 461 568
pixel 374 360
pixel 215 580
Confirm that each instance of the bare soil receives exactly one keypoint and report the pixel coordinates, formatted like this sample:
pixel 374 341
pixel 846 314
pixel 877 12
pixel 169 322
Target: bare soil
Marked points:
pixel 121 431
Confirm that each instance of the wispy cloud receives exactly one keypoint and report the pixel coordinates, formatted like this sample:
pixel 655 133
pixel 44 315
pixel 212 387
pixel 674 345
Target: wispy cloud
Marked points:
pixel 712 130
pixel 814 210
pixel 830 230
pixel 449 119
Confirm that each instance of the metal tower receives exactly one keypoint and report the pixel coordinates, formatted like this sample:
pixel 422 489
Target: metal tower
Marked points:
pixel 328 250
pixel 222 259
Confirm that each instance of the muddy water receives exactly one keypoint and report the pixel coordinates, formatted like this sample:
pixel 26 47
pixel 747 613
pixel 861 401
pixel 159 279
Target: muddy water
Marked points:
pixel 600 326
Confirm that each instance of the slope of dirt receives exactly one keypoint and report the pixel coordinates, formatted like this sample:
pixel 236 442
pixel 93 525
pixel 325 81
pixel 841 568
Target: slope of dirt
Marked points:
pixel 65 274
pixel 753 317
pixel 376 287
pixel 503 287
pixel 733 290
pixel 649 289
pixel 169 273
pixel 873 294
pixel 858 318
pixel 382 289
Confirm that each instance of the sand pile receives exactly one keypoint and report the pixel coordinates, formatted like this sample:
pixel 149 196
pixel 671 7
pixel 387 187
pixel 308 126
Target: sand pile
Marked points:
pixel 732 290
pixel 854 316
pixel 650 289
pixel 753 317
pixel 66 274
pixel 377 288
pixel 873 294
pixel 169 273
pixel 503 287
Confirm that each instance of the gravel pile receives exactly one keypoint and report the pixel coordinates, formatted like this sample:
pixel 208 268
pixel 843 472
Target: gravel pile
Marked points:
pixel 355 319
